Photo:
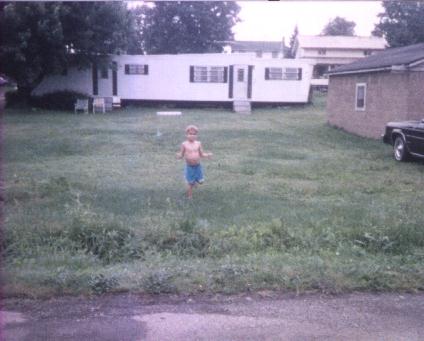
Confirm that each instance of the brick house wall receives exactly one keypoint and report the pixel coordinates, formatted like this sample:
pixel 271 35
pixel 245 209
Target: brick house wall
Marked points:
pixel 388 98
pixel 416 95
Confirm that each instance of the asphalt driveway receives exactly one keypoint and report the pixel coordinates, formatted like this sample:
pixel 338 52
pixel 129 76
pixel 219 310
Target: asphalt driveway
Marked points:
pixel 260 316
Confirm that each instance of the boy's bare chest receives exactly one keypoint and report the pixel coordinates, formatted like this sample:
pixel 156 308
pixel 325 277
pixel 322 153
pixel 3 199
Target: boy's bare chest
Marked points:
pixel 192 147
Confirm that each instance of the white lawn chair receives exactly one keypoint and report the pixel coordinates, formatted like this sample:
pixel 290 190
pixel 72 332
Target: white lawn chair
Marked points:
pixel 81 105
pixel 99 105
pixel 116 102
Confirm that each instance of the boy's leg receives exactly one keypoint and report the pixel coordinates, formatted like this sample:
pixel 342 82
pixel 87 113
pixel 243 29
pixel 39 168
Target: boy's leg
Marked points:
pixel 190 191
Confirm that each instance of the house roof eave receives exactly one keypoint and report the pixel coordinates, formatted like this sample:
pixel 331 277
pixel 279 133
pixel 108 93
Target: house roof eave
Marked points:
pixel 350 72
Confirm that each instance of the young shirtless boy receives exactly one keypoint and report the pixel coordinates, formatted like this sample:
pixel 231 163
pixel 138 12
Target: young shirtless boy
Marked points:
pixel 192 151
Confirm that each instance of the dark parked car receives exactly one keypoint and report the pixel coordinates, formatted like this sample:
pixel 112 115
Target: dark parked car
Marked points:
pixel 407 139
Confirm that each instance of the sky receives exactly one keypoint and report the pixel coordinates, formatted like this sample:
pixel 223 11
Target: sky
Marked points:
pixel 273 20
pixel 264 20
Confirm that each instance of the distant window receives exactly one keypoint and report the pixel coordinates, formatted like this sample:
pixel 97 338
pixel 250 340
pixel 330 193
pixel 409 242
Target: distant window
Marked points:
pixel 274 54
pixel 322 52
pixel 208 74
pixel 278 73
pixel 240 75
pixel 259 54
pixel 367 52
pixel 361 90
pixel 104 72
pixel 136 69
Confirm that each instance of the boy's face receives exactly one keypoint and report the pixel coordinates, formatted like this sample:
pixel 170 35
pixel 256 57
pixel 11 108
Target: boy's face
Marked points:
pixel 191 135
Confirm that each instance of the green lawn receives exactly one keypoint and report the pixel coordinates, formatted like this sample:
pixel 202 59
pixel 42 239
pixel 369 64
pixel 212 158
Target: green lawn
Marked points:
pixel 96 203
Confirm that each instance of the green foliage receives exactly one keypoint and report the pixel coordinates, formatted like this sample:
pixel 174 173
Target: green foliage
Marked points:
pixel 15 99
pixel 59 100
pixel 182 239
pixel 40 38
pixel 339 27
pixel 110 242
pixel 401 23
pixel 159 282
pixel 187 27
pixel 100 284
pixel 292 43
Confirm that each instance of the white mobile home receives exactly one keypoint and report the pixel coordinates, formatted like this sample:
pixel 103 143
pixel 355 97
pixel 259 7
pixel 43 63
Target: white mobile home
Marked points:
pixel 190 77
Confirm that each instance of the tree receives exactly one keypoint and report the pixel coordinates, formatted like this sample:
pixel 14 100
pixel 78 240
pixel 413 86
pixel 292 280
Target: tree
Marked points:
pixel 291 52
pixel 339 27
pixel 401 23
pixel 188 27
pixel 40 38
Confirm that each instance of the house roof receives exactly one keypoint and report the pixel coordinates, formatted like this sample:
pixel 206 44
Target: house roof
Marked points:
pixel 265 46
pixel 400 56
pixel 341 42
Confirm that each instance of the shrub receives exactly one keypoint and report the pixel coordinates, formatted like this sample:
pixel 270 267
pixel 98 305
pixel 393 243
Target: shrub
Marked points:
pixel 15 98
pixel 159 282
pixel 110 242
pixel 59 100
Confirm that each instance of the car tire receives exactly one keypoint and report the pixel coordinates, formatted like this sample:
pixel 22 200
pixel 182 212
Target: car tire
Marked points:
pixel 400 151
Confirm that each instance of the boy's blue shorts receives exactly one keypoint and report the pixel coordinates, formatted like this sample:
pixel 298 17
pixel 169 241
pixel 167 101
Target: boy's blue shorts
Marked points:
pixel 193 174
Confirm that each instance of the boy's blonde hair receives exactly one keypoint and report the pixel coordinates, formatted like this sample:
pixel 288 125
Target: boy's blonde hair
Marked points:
pixel 192 127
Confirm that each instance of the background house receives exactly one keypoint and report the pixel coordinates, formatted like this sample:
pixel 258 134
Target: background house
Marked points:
pixel 329 52
pixel 389 86
pixel 262 49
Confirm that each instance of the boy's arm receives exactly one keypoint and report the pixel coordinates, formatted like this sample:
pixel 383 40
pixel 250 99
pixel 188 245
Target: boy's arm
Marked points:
pixel 180 154
pixel 203 153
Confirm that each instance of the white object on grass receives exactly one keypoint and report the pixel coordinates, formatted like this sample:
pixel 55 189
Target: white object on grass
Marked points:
pixel 166 113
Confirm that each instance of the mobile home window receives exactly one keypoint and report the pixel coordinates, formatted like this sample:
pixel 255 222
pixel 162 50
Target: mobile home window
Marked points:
pixel 277 73
pixel 240 75
pixel 322 52
pixel 208 74
pixel 136 69
pixel 361 90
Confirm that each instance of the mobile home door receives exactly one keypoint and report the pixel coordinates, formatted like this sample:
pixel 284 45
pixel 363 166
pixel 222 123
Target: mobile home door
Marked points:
pixel 240 82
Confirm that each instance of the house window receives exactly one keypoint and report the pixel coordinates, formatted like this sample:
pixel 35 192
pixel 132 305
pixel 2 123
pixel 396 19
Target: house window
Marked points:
pixel 322 52
pixel 367 52
pixel 104 72
pixel 361 90
pixel 240 75
pixel 208 74
pixel 136 69
pixel 278 73
pixel 259 54
pixel 274 54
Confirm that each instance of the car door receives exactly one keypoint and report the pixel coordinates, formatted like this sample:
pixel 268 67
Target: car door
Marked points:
pixel 415 135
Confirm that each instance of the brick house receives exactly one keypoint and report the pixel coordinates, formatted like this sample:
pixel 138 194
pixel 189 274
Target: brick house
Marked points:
pixel 388 86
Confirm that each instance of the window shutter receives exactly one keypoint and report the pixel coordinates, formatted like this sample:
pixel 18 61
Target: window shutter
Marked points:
pixel 127 69
pixel 146 69
pixel 299 74
pixel 267 73
pixel 191 74
pixel 249 81
pixel 95 80
pixel 230 83
pixel 225 74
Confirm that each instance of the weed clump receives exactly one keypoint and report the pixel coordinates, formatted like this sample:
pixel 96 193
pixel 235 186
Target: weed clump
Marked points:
pixel 110 241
